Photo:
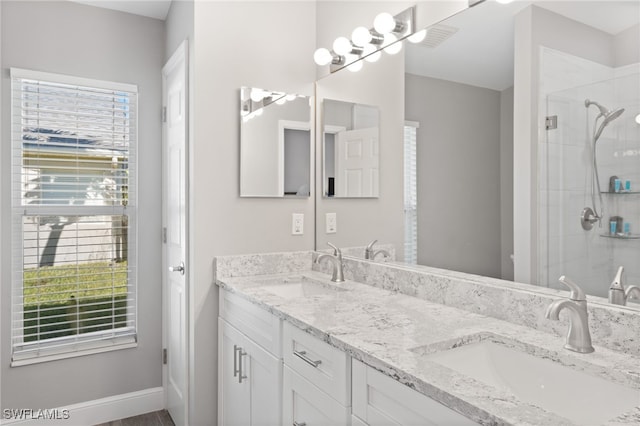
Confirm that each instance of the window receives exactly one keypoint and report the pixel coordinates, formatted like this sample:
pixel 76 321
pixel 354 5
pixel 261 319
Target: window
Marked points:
pixel 74 216
pixel 410 193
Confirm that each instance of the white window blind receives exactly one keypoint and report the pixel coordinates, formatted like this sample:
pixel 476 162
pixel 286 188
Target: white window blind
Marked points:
pixel 74 200
pixel 410 194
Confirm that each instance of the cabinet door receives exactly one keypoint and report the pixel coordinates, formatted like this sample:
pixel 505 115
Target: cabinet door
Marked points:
pixel 264 373
pixel 233 397
pixel 305 404
pixel 251 390
pixel 380 400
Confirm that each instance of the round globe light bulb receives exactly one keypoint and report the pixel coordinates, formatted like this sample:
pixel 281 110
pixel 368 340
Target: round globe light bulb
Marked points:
pixel 361 36
pixel 257 95
pixel 394 48
pixel 342 46
pixel 322 56
pixel 393 45
pixel 638 118
pixel 290 97
pixel 417 37
pixel 371 54
pixel 355 66
pixel 384 23
pixel 281 101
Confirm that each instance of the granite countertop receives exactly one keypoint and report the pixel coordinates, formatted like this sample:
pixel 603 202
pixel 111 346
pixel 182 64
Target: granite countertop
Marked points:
pixel 392 332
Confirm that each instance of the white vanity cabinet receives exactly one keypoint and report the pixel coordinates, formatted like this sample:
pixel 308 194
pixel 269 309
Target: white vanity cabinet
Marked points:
pixel 317 381
pixel 249 364
pixel 380 400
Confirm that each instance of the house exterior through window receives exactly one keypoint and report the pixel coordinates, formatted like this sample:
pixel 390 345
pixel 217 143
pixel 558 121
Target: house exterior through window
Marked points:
pixel 74 202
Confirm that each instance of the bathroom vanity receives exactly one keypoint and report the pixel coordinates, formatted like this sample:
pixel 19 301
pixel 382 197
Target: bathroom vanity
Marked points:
pixel 297 349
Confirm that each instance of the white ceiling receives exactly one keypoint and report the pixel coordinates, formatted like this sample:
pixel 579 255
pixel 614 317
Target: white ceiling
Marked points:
pixel 481 52
pixel 157 9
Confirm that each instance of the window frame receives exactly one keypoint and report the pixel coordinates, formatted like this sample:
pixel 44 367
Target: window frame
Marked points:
pixel 79 344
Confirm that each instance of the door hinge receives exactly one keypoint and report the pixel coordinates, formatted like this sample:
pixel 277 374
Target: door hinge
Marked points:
pixel 164 235
pixel 164 356
pixel 551 122
pixel 164 114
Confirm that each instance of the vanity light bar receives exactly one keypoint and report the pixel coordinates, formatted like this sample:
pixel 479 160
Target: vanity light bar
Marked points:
pixel 253 100
pixel 364 43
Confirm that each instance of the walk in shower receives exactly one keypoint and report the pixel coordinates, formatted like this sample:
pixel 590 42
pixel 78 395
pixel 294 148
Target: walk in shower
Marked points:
pixel 592 140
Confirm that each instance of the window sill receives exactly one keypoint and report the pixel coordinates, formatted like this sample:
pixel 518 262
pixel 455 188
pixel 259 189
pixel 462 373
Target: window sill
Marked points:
pixel 96 348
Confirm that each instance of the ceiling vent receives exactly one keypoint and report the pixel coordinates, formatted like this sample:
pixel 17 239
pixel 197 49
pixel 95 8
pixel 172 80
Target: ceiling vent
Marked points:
pixel 437 34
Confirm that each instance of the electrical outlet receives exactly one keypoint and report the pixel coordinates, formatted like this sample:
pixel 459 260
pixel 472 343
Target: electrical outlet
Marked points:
pixel 331 223
pixel 297 224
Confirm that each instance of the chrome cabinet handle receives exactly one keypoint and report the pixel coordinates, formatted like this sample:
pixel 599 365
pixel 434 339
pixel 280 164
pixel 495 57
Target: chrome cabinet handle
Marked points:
pixel 299 424
pixel 241 353
pixel 235 360
pixel 303 356
pixel 179 268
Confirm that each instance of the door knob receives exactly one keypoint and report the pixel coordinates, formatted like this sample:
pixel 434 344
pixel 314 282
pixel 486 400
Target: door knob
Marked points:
pixel 179 268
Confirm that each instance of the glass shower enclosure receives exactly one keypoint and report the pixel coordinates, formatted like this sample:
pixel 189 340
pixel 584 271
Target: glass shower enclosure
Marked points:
pixel 567 186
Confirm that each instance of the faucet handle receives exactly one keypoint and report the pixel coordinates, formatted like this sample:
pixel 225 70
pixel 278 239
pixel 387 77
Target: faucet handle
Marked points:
pixel 370 245
pixel 336 251
pixel 617 281
pixel 576 292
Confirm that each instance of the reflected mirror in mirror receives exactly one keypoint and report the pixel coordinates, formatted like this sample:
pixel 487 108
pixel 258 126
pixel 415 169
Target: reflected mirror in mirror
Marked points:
pixel 469 117
pixel 350 134
pixel 275 144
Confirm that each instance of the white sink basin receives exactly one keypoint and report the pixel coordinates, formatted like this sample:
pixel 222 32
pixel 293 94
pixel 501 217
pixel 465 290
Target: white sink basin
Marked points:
pixel 298 287
pixel 575 395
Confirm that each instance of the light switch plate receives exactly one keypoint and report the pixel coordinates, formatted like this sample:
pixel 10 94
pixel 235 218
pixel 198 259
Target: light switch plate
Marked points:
pixel 331 223
pixel 297 224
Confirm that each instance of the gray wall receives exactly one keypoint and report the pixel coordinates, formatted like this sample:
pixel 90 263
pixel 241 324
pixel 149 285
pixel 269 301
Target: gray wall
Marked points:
pixel 506 182
pixel 258 44
pixel 68 38
pixel 458 167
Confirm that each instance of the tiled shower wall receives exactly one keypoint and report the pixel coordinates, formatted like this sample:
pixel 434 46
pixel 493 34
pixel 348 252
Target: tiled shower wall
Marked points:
pixel 565 157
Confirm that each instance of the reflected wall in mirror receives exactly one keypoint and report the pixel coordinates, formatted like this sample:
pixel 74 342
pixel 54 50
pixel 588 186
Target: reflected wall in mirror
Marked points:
pixel 350 135
pixel 275 144
pixel 491 181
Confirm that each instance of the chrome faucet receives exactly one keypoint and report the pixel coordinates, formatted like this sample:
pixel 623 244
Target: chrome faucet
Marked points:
pixel 336 259
pixel 618 295
pixel 370 253
pixel 578 337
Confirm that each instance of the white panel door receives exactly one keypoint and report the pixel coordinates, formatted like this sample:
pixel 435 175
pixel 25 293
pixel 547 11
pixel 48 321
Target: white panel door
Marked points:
pixel 357 163
pixel 175 233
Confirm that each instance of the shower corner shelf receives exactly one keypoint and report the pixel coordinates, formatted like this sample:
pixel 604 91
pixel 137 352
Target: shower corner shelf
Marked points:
pixel 622 237
pixel 620 193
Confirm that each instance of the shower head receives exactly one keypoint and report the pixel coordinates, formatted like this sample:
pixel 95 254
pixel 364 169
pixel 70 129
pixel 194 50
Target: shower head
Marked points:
pixel 609 116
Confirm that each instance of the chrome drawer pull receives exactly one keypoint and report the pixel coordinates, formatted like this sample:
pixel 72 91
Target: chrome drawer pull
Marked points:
pixel 241 353
pixel 303 356
pixel 299 424
pixel 235 360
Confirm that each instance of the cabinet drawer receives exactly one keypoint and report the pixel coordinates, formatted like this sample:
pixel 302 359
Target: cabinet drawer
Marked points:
pixel 380 400
pixel 305 404
pixel 320 363
pixel 256 323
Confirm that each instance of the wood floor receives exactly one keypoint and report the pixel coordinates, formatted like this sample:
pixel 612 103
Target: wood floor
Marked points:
pixel 156 418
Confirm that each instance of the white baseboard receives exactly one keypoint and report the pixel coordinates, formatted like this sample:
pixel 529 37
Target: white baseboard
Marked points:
pixel 92 412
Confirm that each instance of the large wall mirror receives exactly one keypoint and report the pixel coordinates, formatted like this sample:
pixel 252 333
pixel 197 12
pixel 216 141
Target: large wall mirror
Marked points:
pixel 458 105
pixel 350 135
pixel 276 141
